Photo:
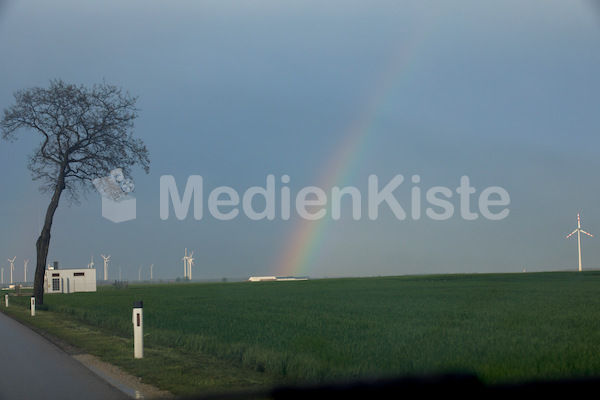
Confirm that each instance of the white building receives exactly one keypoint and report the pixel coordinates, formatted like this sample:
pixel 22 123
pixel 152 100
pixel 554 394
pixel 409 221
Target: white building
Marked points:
pixel 70 280
pixel 262 278
pixel 276 278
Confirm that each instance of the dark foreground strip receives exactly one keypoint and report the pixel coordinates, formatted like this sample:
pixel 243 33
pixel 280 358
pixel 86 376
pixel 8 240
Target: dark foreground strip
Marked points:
pixel 461 386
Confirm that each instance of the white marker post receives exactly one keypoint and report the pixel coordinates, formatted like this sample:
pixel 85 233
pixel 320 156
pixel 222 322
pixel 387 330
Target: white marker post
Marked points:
pixel 138 329
pixel 32 306
pixel 6 299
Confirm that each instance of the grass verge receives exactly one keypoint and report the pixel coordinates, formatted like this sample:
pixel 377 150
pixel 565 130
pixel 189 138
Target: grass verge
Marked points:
pixel 162 367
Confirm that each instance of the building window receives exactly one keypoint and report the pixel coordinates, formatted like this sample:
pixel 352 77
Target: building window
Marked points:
pixel 78 273
pixel 55 284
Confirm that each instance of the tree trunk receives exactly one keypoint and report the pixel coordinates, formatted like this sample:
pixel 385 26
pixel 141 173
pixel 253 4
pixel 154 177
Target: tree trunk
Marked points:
pixel 42 246
pixel 43 243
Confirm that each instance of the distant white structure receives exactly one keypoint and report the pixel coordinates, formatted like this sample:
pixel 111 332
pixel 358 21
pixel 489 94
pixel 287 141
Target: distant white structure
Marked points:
pixel 105 266
pixel 262 278
pixel 276 278
pixel 12 268
pixel 188 262
pixel 292 278
pixel 25 270
pixel 190 265
pixel 69 280
pixel 579 232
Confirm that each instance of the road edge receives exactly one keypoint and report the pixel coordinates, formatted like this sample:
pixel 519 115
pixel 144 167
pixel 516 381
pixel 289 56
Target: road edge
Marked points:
pixel 129 384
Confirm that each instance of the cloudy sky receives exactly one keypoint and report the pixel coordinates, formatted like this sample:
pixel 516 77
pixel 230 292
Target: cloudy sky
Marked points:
pixel 322 94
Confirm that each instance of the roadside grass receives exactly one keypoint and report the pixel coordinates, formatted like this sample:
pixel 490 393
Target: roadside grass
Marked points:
pixel 503 328
pixel 164 367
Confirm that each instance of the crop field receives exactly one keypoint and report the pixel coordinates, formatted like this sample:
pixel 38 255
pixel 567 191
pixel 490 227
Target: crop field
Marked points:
pixel 501 327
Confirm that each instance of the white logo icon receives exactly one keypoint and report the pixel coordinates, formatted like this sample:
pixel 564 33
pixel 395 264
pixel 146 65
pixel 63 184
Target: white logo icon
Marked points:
pixel 118 202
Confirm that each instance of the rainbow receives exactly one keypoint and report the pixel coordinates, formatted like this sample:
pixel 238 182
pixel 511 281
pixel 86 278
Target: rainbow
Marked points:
pixel 299 254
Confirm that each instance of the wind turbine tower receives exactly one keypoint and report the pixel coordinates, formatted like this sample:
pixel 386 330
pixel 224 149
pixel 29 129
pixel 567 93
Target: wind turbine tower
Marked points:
pixel 25 270
pixel 105 266
pixel 579 232
pixel 12 268
pixel 185 261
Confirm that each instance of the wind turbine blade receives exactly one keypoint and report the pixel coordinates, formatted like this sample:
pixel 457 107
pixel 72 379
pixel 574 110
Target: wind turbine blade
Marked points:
pixel 570 234
pixel 582 231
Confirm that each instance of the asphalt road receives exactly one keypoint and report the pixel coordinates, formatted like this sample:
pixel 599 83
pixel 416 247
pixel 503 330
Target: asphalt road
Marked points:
pixel 32 367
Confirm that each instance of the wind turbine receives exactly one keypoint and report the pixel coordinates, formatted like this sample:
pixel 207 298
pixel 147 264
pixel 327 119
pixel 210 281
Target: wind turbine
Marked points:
pixel 25 270
pixel 91 264
pixel 190 263
pixel 151 265
pixel 105 264
pixel 140 273
pixel 12 267
pixel 579 232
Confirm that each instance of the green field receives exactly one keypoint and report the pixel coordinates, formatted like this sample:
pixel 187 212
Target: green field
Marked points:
pixel 502 327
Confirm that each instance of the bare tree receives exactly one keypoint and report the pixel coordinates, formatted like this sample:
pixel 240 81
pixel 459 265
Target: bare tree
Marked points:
pixel 84 134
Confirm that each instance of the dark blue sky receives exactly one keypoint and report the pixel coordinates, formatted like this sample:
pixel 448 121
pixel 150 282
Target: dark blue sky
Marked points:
pixel 505 93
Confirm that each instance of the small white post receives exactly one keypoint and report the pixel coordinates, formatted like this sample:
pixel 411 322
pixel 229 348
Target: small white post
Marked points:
pixel 138 329
pixel 32 306
pixel 6 299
